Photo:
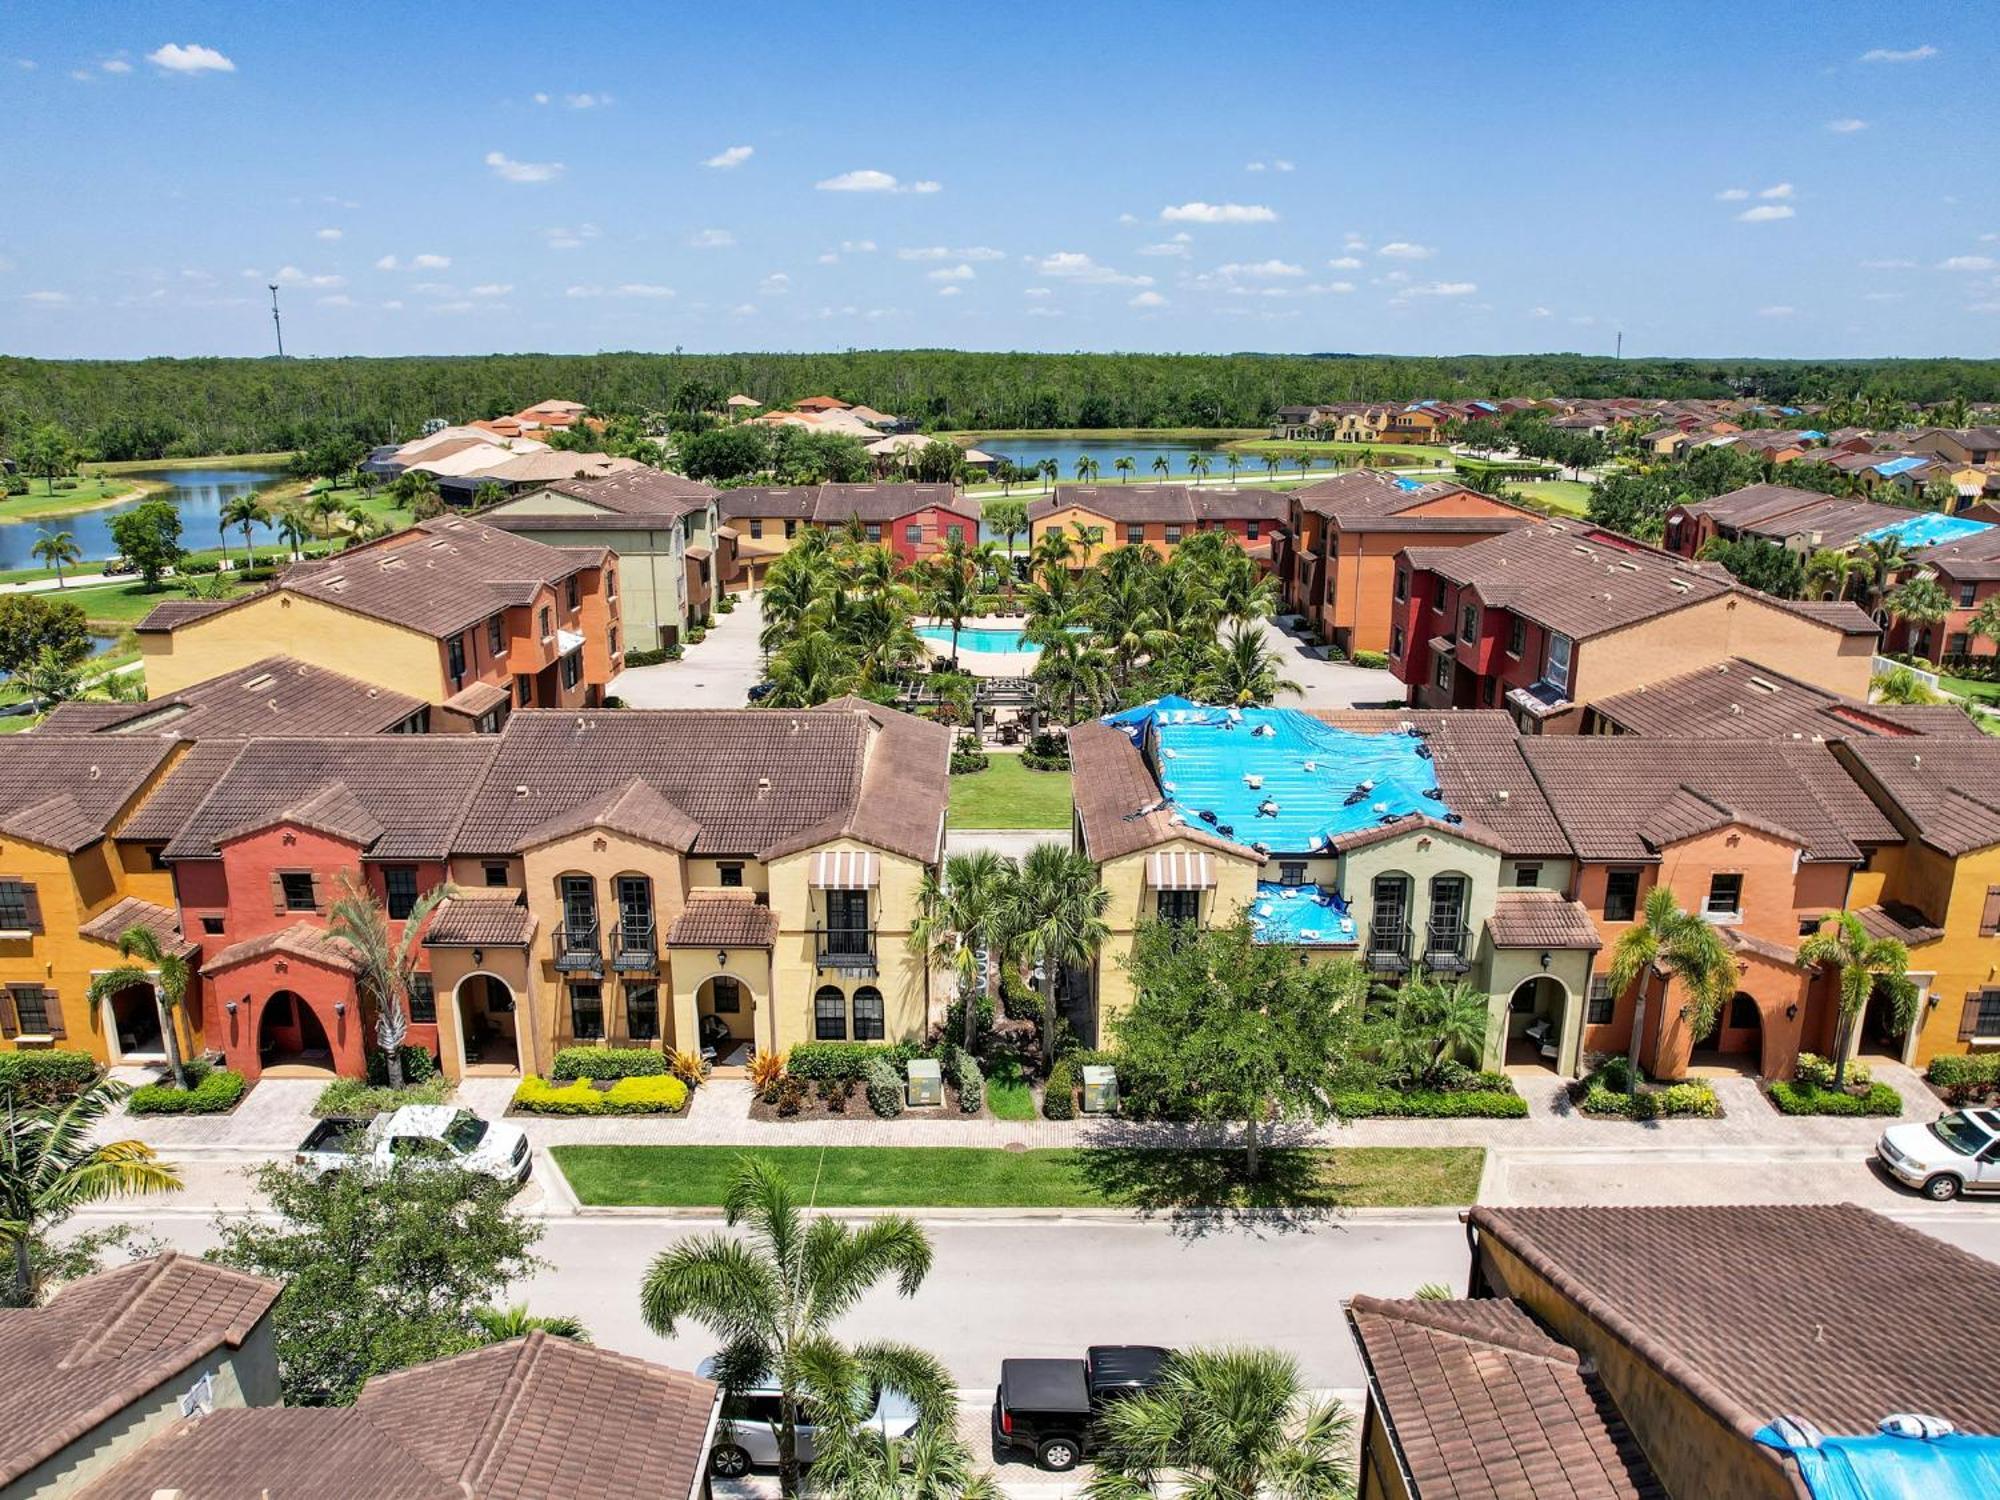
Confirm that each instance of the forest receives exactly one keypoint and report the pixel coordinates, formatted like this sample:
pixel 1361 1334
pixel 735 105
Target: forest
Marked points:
pixel 171 408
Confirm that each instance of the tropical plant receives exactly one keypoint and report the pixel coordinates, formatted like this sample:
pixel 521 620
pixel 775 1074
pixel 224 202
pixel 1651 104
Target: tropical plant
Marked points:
pixel 1124 466
pixel 58 549
pixel 1417 1030
pixel 164 970
pixel 295 527
pixel 1243 670
pixel 951 589
pixel 1235 461
pixel 1918 602
pixel 1054 914
pixel 244 511
pixel 499 1324
pixel 387 958
pixel 52 1164
pixel 1225 1423
pixel 1866 965
pixel 1900 685
pixel 1162 465
pixel 814 669
pixel 772 1293
pixel 1986 619
pixel 1271 464
pixel 1828 573
pixel 1878 561
pixel 1199 464
pixel 1679 946
pixel 960 919
pixel 1010 518
pixel 50 677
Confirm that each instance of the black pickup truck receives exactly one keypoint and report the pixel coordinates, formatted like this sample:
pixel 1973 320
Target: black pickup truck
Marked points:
pixel 1047 1409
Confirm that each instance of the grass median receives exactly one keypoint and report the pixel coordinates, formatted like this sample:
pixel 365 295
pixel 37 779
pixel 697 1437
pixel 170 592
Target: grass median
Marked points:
pixel 1009 795
pixel 989 1177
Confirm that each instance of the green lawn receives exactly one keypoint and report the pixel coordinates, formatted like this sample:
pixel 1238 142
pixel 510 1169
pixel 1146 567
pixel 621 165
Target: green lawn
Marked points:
pixel 1008 795
pixel 89 493
pixel 978 1177
pixel 1966 687
pixel 117 604
pixel 1554 494
pixel 206 461
pixel 1008 1093
pixel 1408 453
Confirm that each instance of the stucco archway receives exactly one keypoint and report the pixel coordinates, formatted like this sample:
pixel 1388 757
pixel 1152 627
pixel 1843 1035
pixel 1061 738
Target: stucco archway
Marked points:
pixel 292 1035
pixel 1538 1019
pixel 488 1024
pixel 726 1017
pixel 132 1025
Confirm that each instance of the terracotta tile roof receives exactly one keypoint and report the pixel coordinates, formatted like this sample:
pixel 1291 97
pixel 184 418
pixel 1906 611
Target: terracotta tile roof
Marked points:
pixel 414 787
pixel 1776 511
pixel 170 613
pixel 481 919
pixel 1826 1329
pixel 767 501
pixel 1949 790
pixel 1540 919
pixel 175 796
pixel 1480 1403
pixel 66 791
pixel 278 695
pixel 1843 614
pixel 476 699
pixel 837 504
pixel 1216 503
pixel 636 492
pixel 1739 941
pixel 1904 923
pixel 1111 784
pixel 250 1453
pixel 1742 700
pixel 1970 559
pixel 633 808
pixel 1125 504
pixel 301 940
pixel 105 1342
pixel 751 781
pixel 723 922
pixel 1382 833
pixel 164 922
pixel 333 810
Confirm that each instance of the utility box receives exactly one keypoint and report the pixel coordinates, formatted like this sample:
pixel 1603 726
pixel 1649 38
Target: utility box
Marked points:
pixel 1100 1089
pixel 926 1083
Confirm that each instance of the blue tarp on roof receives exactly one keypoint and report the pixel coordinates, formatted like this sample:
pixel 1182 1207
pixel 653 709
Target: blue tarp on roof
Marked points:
pixel 1278 777
pixel 1927 528
pixel 1890 1466
pixel 1893 466
pixel 1814 434
pixel 1300 915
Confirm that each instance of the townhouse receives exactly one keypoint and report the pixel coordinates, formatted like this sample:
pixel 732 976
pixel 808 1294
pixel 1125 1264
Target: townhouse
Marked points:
pixel 1804 521
pixel 763 521
pixel 915 521
pixel 1968 571
pixel 665 529
pixel 273 695
pixel 470 619
pixel 1545 620
pixel 1958 446
pixel 1746 700
pixel 1337 553
pixel 1099 518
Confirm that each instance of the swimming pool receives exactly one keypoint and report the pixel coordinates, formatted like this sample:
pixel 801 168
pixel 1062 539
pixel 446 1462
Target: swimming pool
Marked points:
pixel 994 640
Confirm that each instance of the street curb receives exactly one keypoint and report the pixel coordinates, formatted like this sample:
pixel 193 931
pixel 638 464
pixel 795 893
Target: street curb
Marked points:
pixel 1448 1214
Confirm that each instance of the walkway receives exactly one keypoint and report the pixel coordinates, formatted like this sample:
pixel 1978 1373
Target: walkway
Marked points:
pixel 1327 684
pixel 718 673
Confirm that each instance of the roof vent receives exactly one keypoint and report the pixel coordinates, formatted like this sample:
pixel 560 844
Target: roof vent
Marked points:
pixel 763 783
pixel 95 772
pixel 520 791
pixel 260 682
pixel 1501 795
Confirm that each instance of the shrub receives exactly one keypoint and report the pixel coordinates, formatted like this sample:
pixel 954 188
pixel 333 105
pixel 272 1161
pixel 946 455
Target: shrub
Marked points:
pixel 816 1060
pixel 211 1091
pixel 658 1095
pixel 1021 1000
pixel 37 1078
pixel 608 1062
pixel 645 658
pixel 766 1068
pixel 1059 1095
pixel 1034 762
pixel 364 1100
pixel 197 567
pixel 1375 661
pixel 647 1095
pixel 726 605
pixel 1431 1104
pixel 1047 745
pixel 1965 1080
pixel 968 755
pixel 961 1069
pixel 1693 1099
pixel 836 1094
pixel 1815 1071
pixel 697 635
pixel 419 1065
pixel 791 1094
pixel 1804 1099
pixel 691 1068
pixel 954 1020
pixel 885 1089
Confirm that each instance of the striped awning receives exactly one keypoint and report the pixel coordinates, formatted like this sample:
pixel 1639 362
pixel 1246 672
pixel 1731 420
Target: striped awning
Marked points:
pixel 1178 870
pixel 846 870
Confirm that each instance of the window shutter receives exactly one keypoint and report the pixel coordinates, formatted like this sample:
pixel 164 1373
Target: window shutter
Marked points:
pixel 10 1024
pixel 1989 918
pixel 277 893
pixel 319 895
pixel 52 1005
pixel 1968 1019
pixel 33 902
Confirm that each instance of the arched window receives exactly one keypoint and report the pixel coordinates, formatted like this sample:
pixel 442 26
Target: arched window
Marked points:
pixel 1743 1012
pixel 868 1014
pixel 829 1014
pixel 1444 943
pixel 1389 920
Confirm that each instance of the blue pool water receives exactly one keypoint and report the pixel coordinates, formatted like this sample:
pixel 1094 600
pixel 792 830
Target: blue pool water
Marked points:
pixel 998 640
pixel 1927 529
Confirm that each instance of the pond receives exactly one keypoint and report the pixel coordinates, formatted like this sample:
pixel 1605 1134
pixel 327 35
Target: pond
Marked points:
pixel 201 495
pixel 1026 451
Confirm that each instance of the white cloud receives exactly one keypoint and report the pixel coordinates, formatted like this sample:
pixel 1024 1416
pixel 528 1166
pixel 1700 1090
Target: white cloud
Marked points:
pixel 1443 289
pixel 430 262
pixel 191 58
pixel 1778 310
pixel 338 299
pixel 587 101
pixel 1847 126
pixel 1732 195
pixel 1777 190
pixel 115 65
pixel 1984 307
pixel 950 291
pixel 509 170
pixel 46 299
pixel 1262 270
pixel 1320 288
pixel 712 239
pixel 584 291
pixel 645 289
pixel 1765 213
pixel 868 180
pixel 829 259
pixel 1276 164
pixel 1404 250
pixel 434 289
pixel 1891 55
pixel 326 234
pixel 83 75
pixel 1148 299
pixel 1075 266
pixel 729 157
pixel 1888 265
pixel 960 272
pixel 1045 312
pixel 744 309
pixel 293 276
pixel 1037 291
pixel 386 263
pixel 26 64
pixel 1217 213
pixel 940 252
pixel 562 238
pixel 1881 296
pixel 541 98
pixel 775 285
pixel 493 289
pixel 1969 263
pixel 394 304
pixel 1345 263
pixel 1167 247
pixel 858 247
pixel 1128 218
pixel 1539 312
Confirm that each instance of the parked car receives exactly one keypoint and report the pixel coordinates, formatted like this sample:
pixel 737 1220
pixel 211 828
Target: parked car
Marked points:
pixel 432 1135
pixel 748 1434
pixel 1956 1153
pixel 759 691
pixel 118 567
pixel 1047 1409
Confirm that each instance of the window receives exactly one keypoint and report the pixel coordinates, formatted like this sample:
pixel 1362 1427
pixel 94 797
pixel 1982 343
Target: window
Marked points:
pixel 756 530
pixel 573 596
pixel 729 875
pixel 1173 534
pixel 847 921
pixel 610 586
pixel 1395 640
pixel 1488 690
pixel 14 909
pixel 611 641
pixel 486 723
pixel 635 914
pixel 297 888
pixel 423 1000
pixel 914 535
pixel 1291 872
pixel 1598 1009
pixel 1447 917
pixel 1958 643
pixel 399 883
pixel 548 623
pixel 454 654
pixel 1526 877
pixel 1725 896
pixel 867 1014
pixel 727 996
pixel 496 875
pixel 586 1011
pixel 1809 925
pixel 874 531
pixel 1437 603
pixel 156 857
pixel 579 903
pixel 1967 592
pixel 1468 622
pixel 1621 895
pixel 956 534
pixel 496 636
pixel 1251 530
pixel 211 926
pixel 791 529
pixel 1517 636
pixel 1983 1015
pixel 572 669
pixel 524 689
pixel 1179 906
pixel 1402 585
pixel 1389 922
pixel 1135 535
pixel 1443 675
pixel 1557 671
pixel 642 1012
pixel 829 1015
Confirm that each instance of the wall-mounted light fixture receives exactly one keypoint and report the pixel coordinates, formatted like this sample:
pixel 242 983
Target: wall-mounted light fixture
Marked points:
pixel 230 1006
pixel 722 958
pixel 340 1007
pixel 1792 1012
pixel 1545 958
pixel 478 957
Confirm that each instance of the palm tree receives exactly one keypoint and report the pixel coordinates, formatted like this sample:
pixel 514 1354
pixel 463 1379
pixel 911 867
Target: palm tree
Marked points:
pixel 245 511
pixel 1071 671
pixel 1225 1423
pixel 1418 1027
pixel 1900 685
pixel 58 549
pixel 1053 552
pixel 772 1294
pixel 50 678
pixel 1162 466
pixel 323 508
pixel 295 527
pixel 812 670
pixel 1879 559
pixel 1086 468
pixel 51 1165
pixel 1677 945
pixel 1271 463
pixel 1055 916
pixel 1304 462
pixel 1828 573
pixel 1124 466
pixel 1010 519
pixel 853 1459
pixel 1986 620
pixel 1918 603
pixel 1198 465
pixel 1243 670
pixel 1235 461
pixel 959 920
pixel 1048 470
pixel 1866 964
pixel 951 590
pixel 792 589
pixel 162 969
pixel 1121 615
pixel 388 959
pixel 499 1324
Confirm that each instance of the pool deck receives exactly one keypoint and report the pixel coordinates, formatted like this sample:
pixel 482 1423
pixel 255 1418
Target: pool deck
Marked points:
pixel 985 663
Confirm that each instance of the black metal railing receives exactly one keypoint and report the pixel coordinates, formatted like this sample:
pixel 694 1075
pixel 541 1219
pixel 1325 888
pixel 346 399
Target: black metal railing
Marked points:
pixel 636 948
pixel 1389 947
pixel 1444 948
pixel 848 949
pixel 578 949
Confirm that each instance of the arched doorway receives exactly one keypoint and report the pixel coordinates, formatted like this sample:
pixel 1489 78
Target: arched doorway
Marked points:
pixel 289 1035
pixel 726 1017
pixel 1882 1036
pixel 132 1018
pixel 1738 1038
pixel 488 1025
pixel 1537 1014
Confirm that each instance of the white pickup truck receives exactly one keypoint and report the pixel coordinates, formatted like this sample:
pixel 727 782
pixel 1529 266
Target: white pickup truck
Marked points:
pixel 431 1135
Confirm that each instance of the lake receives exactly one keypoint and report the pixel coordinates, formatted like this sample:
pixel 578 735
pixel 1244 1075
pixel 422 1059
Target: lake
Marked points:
pixel 1025 451
pixel 201 495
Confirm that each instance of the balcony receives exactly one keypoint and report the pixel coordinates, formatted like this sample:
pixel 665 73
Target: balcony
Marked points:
pixel 846 950
pixel 1444 950
pixel 638 949
pixel 1389 948
pixel 579 950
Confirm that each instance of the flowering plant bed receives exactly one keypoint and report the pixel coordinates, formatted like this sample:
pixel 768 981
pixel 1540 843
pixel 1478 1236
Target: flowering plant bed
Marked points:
pixel 647 1095
pixel 1606 1093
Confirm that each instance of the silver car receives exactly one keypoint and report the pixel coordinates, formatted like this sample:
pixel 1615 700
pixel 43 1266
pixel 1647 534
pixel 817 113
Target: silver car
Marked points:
pixel 747 1436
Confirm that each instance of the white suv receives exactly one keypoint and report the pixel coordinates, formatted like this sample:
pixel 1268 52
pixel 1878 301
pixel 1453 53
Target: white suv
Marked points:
pixel 1955 1153
pixel 748 1433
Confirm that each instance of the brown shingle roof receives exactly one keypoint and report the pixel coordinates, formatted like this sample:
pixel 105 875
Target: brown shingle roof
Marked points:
pixel 1126 504
pixel 1741 700
pixel 639 492
pixel 837 504
pixel 164 922
pixel 768 501
pixel 301 940
pixel 1480 1403
pixel 110 1339
pixel 66 791
pixel 172 612
pixel 723 922
pixel 1949 790
pixel 278 695
pixel 481 919
pixel 1540 919
pixel 1970 559
pixel 1826 1329
pixel 174 798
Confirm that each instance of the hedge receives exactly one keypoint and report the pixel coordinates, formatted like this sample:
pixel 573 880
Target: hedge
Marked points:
pixel 54 1077
pixel 364 1100
pixel 608 1062
pixel 817 1061
pixel 1059 1093
pixel 655 1095
pixel 1431 1104
pixel 962 1070
pixel 1692 1100
pixel 1804 1099
pixel 214 1092
pixel 1964 1080
pixel 885 1089
pixel 1375 661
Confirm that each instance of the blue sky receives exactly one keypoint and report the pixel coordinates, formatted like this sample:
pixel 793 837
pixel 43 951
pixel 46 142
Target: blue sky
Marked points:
pixel 439 178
